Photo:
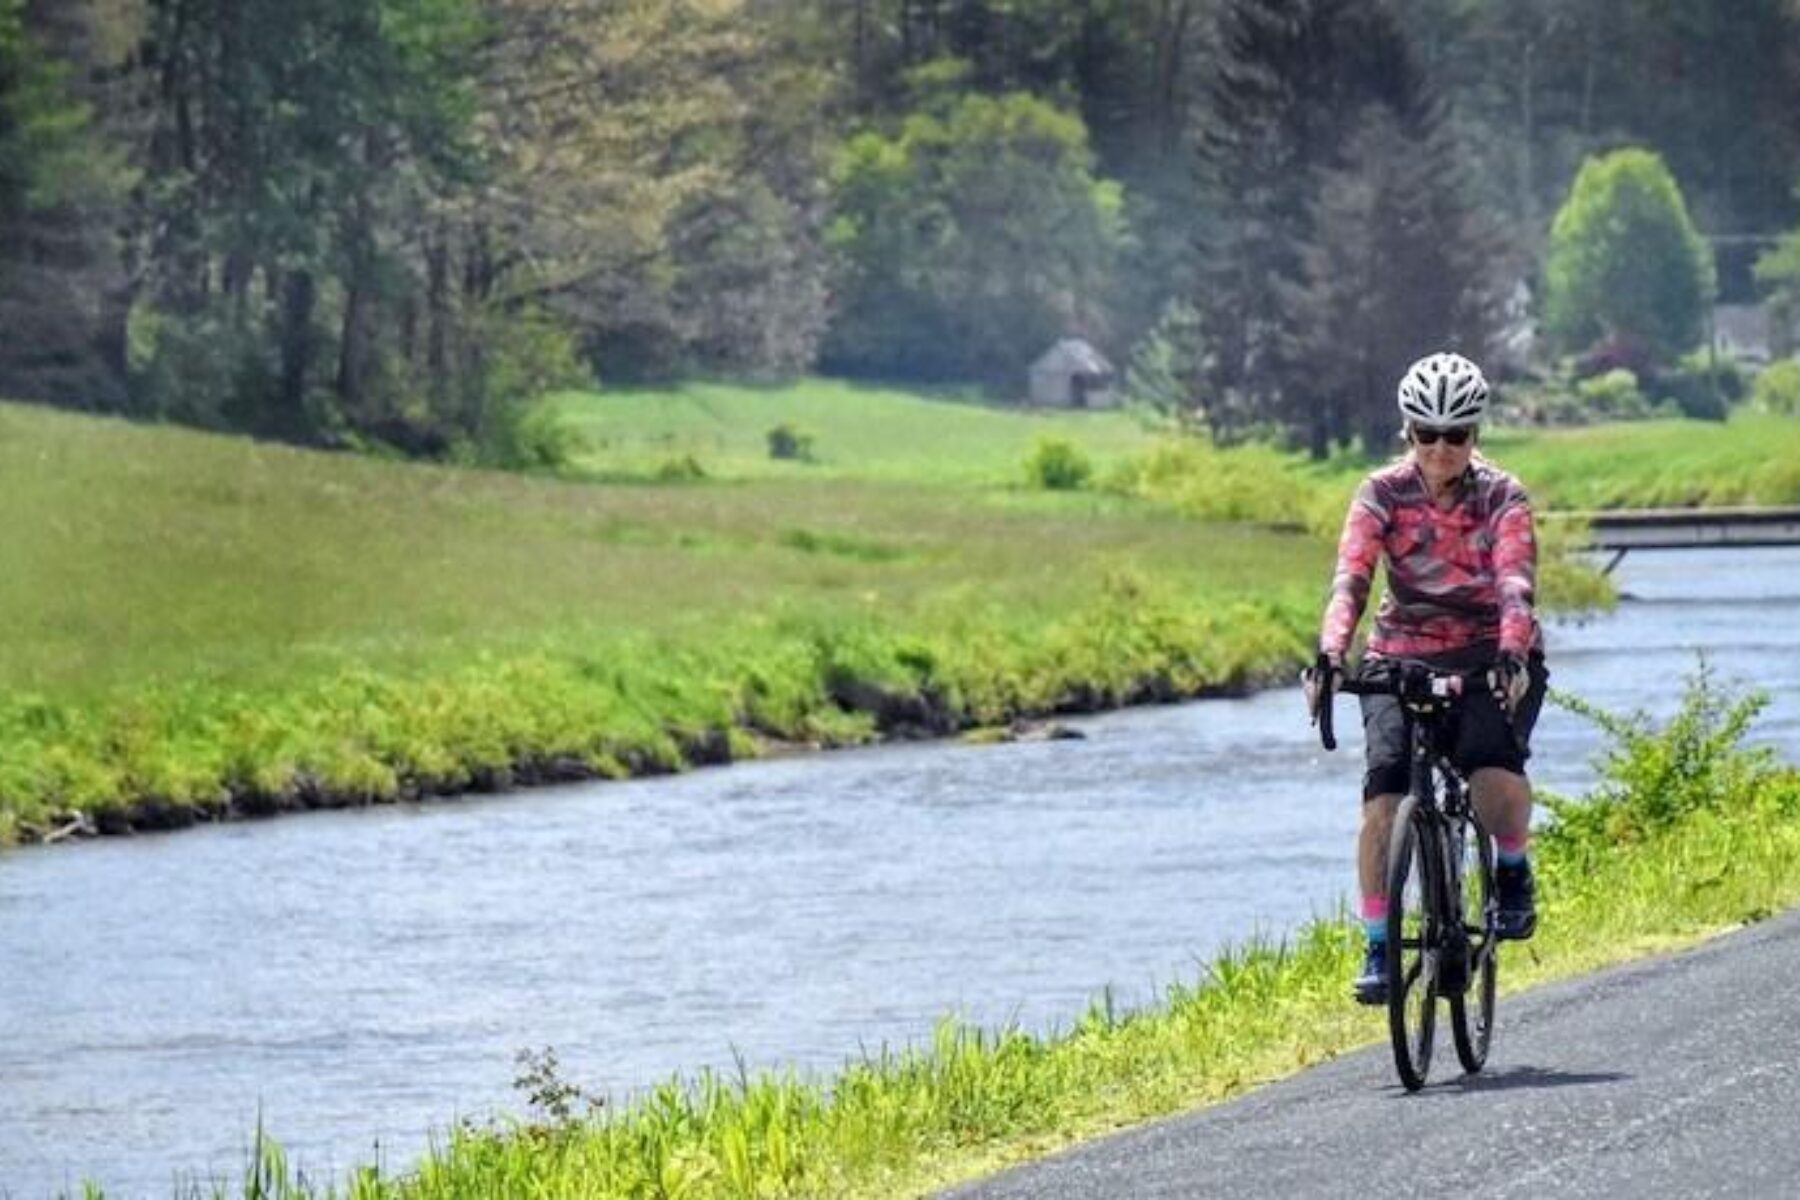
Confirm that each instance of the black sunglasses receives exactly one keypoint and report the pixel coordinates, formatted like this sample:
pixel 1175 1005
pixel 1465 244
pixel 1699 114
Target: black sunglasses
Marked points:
pixel 1428 437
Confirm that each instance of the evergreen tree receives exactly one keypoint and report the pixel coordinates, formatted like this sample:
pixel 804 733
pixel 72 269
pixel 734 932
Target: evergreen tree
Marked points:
pixel 1305 91
pixel 1402 267
pixel 59 182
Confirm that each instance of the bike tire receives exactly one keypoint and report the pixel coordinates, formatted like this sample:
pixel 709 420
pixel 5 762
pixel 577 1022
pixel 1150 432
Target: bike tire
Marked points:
pixel 1413 857
pixel 1472 1025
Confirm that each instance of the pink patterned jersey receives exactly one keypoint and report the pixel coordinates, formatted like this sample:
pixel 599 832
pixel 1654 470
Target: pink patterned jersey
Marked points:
pixel 1455 577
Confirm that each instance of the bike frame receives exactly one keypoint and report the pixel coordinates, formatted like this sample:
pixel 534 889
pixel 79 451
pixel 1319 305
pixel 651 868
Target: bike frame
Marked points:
pixel 1453 953
pixel 1444 814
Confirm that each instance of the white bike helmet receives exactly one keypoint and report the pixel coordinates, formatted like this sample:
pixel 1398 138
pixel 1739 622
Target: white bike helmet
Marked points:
pixel 1443 391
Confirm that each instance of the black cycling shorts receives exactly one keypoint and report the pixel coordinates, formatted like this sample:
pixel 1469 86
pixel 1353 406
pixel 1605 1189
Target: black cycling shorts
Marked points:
pixel 1482 736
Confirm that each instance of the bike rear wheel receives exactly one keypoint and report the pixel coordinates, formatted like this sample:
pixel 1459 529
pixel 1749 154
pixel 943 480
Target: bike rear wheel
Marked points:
pixel 1412 942
pixel 1472 1013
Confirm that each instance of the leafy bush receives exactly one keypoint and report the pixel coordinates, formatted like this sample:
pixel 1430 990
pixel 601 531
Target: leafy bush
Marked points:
pixel 203 369
pixel 686 469
pixel 1576 396
pixel 526 437
pixel 789 442
pixel 1614 396
pixel 1703 390
pixel 1058 465
pixel 1654 778
pixel 1777 390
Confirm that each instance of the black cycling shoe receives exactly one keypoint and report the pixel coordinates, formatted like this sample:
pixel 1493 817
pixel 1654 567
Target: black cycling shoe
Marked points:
pixel 1517 889
pixel 1371 986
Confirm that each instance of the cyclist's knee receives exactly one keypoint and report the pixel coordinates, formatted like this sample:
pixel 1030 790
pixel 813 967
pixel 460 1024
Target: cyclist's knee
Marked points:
pixel 1501 783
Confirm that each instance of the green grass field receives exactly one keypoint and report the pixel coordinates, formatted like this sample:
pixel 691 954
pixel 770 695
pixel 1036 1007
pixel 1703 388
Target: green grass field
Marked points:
pixel 873 433
pixel 857 432
pixel 138 553
pixel 1751 459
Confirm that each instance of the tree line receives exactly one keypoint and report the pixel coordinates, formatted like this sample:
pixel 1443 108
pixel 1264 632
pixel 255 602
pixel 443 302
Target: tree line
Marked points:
pixel 394 222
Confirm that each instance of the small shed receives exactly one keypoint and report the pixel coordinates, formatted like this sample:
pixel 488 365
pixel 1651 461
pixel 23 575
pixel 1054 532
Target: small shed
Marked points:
pixel 1072 374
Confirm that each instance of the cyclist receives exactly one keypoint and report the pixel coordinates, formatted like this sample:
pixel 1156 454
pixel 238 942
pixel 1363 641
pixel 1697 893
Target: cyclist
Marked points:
pixel 1455 532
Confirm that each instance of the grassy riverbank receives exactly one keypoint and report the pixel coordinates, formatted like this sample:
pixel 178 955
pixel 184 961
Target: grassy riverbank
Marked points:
pixel 202 627
pixel 1689 835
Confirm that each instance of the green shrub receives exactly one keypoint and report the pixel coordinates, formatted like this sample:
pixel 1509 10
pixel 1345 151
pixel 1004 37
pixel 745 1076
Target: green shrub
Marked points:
pixel 1058 465
pixel 685 469
pixel 1777 390
pixel 528 356
pixel 204 369
pixel 788 442
pixel 531 437
pixel 1655 777
pixel 1702 386
pixel 1614 396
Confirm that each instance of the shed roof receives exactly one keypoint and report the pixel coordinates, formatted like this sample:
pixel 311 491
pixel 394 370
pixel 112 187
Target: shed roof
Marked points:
pixel 1073 355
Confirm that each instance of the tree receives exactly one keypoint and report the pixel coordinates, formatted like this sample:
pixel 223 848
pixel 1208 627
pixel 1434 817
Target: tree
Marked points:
pixel 294 147
pixel 59 182
pixel 1625 262
pixel 1402 267
pixel 657 182
pixel 969 240
pixel 1539 85
pixel 1308 95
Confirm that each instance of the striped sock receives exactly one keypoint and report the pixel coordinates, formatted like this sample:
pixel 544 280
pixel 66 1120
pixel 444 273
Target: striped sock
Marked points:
pixel 1513 851
pixel 1374 917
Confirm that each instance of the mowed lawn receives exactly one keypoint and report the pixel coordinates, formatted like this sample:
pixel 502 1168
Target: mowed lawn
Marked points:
pixel 137 553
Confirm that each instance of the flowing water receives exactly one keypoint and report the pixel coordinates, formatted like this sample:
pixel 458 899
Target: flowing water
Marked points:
pixel 358 981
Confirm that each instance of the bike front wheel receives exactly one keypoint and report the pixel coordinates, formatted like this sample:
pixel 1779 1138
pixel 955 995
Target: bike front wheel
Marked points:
pixel 1412 941
pixel 1472 1013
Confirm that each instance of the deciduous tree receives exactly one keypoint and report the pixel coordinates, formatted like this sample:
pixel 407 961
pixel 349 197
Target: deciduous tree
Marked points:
pixel 970 239
pixel 1625 260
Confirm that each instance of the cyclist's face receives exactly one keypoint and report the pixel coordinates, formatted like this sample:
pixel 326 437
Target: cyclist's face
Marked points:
pixel 1441 459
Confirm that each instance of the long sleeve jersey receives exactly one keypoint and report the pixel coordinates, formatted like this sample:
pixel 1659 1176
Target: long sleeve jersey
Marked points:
pixel 1456 577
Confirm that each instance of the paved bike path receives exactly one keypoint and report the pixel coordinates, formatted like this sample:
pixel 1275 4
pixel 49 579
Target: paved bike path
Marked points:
pixel 1672 1077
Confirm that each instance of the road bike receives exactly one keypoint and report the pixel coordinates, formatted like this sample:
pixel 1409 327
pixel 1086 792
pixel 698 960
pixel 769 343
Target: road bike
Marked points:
pixel 1443 915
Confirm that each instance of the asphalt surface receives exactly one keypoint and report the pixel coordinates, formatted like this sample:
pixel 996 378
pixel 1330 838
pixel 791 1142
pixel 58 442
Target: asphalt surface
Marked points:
pixel 1672 1077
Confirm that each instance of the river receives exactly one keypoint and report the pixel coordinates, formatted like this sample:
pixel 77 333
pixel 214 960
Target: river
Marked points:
pixel 358 981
